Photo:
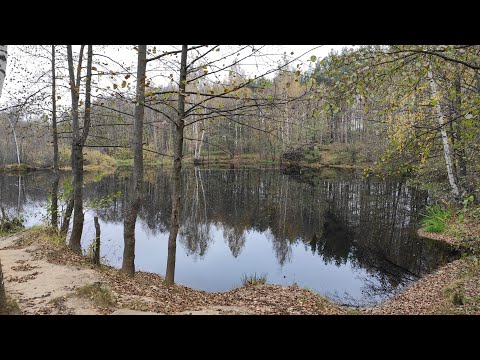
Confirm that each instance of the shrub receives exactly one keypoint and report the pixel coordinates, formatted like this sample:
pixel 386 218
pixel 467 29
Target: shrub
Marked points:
pixel 435 219
pixel 9 226
pixel 96 158
pixel 92 158
pixel 312 155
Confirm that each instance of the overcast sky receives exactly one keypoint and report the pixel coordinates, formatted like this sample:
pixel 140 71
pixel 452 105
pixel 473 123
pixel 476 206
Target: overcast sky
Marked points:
pixel 18 63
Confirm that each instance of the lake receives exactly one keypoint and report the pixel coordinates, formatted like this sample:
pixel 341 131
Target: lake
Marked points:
pixel 348 238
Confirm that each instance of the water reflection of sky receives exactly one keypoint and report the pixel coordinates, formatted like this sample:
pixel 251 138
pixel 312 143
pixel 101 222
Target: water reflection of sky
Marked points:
pixel 343 277
pixel 219 270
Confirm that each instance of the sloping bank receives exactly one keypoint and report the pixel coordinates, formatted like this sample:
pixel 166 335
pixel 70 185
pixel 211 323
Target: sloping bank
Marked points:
pixel 47 278
pixel 452 289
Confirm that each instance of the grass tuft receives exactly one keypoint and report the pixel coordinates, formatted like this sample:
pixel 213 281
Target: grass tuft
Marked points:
pixel 99 294
pixel 454 293
pixel 435 219
pixel 10 225
pixel 254 279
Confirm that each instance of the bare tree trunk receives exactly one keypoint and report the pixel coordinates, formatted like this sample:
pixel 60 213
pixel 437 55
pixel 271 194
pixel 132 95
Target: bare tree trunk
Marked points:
pixel 462 161
pixel 443 133
pixel 19 197
pixel 96 256
pixel 177 169
pixel 14 130
pixel 195 135
pixel 2 287
pixel 54 205
pixel 454 147
pixel 128 265
pixel 54 114
pixel 3 71
pixel 3 296
pixel 332 126
pixel 78 217
pixel 201 143
pixel 77 177
pixel 3 65
pixel 77 154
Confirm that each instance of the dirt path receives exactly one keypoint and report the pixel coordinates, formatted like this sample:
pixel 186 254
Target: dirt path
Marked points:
pixel 40 287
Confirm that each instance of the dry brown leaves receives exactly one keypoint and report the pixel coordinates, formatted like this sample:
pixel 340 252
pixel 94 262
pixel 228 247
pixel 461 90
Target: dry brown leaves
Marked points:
pixel 147 292
pixel 26 267
pixel 21 279
pixel 436 236
pixel 277 299
pixel 429 294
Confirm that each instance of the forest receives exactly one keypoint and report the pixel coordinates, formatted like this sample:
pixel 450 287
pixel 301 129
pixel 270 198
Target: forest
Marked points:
pixel 203 166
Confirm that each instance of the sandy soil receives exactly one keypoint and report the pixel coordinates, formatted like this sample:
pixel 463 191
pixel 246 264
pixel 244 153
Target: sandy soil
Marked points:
pixel 38 286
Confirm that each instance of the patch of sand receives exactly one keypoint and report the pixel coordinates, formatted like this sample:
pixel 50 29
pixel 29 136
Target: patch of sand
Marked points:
pixel 38 288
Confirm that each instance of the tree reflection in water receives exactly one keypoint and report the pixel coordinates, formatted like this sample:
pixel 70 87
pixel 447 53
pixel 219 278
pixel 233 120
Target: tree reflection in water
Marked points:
pixel 343 219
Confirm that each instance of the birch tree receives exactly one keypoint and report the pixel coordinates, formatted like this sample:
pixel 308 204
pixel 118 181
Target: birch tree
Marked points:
pixel 3 65
pixel 443 132
pixel 424 99
pixel 3 68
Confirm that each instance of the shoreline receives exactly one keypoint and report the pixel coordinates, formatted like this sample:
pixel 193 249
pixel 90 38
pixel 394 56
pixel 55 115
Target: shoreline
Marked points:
pixel 49 266
pixel 22 170
pixel 187 161
pixel 452 289
pixel 146 293
pixel 438 237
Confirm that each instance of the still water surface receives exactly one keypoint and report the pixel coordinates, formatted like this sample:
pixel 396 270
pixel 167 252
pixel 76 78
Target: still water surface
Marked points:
pixel 350 239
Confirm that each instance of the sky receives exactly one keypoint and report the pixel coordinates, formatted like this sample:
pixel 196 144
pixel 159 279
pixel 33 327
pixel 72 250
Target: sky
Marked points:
pixel 300 49
pixel 17 87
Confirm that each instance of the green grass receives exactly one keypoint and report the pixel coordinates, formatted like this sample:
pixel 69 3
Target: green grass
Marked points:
pixel 435 219
pixel 146 162
pixel 254 279
pixel 37 233
pixel 94 160
pixel 98 293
